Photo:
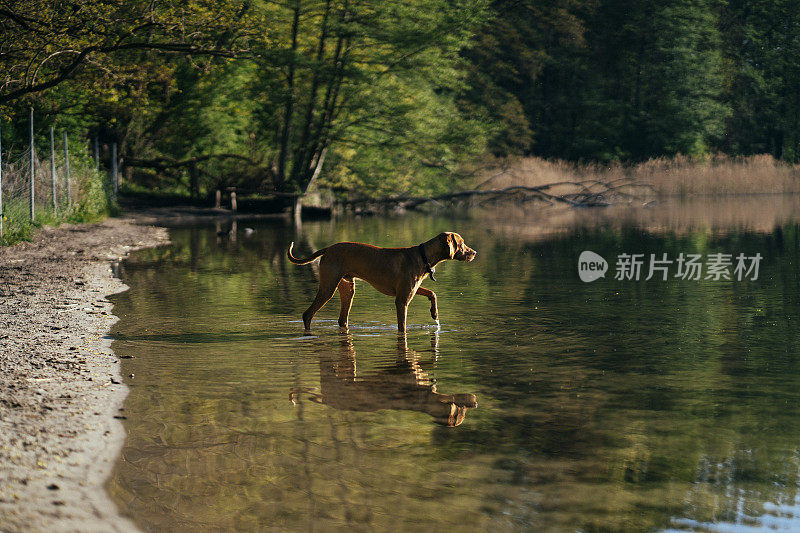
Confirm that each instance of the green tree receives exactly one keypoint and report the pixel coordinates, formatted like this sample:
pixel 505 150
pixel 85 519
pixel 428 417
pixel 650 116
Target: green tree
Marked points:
pixel 361 83
pixel 762 46
pixel 602 79
pixel 506 61
pixel 653 84
pixel 43 44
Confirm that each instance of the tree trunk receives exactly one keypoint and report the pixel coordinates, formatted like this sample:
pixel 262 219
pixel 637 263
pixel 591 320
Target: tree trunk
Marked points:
pixel 300 163
pixel 194 179
pixel 322 138
pixel 297 211
pixel 289 106
pixel 317 166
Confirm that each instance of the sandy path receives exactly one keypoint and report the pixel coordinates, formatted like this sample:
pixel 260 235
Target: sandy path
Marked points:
pixel 60 386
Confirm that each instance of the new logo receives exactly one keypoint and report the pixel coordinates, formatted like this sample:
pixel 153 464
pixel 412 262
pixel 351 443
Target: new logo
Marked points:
pixel 591 266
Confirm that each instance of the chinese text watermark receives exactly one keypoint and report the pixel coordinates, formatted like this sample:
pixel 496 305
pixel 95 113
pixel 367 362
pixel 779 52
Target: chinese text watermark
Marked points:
pixel 635 267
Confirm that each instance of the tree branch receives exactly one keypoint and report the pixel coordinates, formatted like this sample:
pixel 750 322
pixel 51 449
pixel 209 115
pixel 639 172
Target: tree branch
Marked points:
pixel 82 56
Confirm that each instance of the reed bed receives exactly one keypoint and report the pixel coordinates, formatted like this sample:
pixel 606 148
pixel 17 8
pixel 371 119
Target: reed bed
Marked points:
pixel 716 175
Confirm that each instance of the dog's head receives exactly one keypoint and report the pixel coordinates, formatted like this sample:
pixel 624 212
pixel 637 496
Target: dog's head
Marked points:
pixel 458 248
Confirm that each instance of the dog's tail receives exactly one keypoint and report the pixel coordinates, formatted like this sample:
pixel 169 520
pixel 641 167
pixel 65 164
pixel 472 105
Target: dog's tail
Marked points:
pixel 305 261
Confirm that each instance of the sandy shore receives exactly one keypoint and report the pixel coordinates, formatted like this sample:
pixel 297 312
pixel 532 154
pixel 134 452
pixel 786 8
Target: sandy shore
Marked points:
pixel 61 392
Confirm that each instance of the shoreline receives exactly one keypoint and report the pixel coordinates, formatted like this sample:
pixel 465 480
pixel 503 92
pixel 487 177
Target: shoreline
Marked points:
pixel 61 391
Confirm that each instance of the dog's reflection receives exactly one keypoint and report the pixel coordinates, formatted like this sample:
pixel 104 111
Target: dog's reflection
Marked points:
pixel 405 385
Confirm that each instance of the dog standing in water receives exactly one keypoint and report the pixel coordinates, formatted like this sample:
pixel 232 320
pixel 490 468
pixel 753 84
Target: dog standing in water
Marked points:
pixel 395 272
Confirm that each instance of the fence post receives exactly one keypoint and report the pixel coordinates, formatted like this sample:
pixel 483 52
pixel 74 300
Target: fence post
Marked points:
pixel 114 169
pixel 233 200
pixel 96 154
pixel 66 168
pixel 1 184
pixel 218 199
pixel 53 167
pixel 33 173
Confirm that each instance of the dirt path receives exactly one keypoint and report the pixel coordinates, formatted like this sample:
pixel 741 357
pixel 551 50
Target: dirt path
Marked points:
pixel 60 384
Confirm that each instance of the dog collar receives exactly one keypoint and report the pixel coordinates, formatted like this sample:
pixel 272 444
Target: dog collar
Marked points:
pixel 425 260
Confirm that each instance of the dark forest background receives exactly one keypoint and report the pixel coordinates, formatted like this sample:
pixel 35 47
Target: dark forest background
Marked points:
pixel 385 97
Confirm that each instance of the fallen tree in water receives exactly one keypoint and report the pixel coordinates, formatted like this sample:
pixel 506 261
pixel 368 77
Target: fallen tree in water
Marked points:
pixel 587 193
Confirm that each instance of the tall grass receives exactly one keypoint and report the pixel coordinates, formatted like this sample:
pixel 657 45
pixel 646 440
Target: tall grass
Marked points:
pixel 676 176
pixel 90 197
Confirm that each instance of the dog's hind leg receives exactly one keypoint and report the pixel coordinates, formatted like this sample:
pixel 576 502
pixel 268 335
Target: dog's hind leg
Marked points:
pixel 347 289
pixel 327 286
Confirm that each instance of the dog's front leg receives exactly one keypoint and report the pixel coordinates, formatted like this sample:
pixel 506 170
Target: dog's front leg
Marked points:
pixel 430 295
pixel 401 302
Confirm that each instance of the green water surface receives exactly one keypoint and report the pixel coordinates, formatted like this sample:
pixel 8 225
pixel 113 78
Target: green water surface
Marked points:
pixel 616 405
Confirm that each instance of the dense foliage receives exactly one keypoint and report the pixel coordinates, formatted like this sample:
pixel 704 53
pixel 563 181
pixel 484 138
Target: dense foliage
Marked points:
pixel 628 80
pixel 387 97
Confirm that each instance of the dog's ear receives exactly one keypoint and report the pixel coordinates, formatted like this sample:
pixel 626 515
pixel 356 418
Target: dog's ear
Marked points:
pixel 450 243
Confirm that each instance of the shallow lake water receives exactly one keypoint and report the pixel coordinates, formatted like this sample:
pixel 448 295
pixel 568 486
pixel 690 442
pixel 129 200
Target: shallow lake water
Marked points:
pixel 615 405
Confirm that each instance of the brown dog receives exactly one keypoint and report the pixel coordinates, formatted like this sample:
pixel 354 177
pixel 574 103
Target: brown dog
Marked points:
pixel 395 272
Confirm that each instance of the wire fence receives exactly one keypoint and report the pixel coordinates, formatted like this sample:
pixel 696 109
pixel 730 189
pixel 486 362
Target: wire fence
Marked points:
pixel 48 188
